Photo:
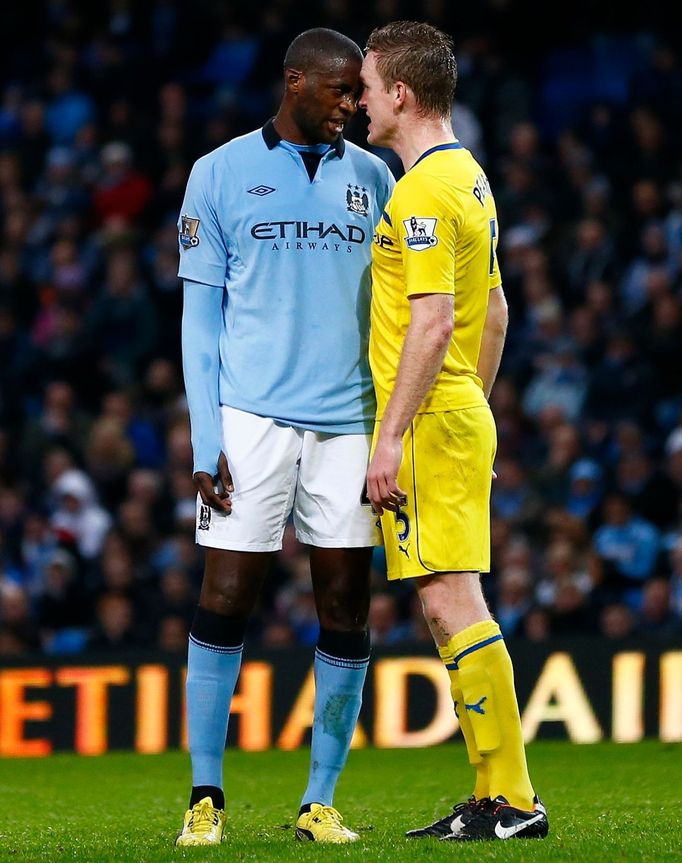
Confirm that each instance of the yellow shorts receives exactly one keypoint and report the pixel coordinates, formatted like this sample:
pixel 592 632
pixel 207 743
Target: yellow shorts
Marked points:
pixel 447 473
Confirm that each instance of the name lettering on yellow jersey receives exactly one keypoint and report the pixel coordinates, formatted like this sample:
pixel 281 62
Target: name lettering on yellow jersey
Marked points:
pixel 382 240
pixel 481 188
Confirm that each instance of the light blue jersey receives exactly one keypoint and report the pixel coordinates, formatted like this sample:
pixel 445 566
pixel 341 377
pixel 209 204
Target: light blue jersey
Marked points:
pixel 293 257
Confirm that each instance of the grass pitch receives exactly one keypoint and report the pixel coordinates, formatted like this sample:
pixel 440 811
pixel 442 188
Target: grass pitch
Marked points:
pixel 606 802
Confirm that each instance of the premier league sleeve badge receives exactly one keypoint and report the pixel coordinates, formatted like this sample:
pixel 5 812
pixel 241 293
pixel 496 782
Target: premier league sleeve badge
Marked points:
pixel 188 232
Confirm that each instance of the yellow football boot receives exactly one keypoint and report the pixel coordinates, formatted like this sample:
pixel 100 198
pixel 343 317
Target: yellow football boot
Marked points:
pixel 323 824
pixel 204 825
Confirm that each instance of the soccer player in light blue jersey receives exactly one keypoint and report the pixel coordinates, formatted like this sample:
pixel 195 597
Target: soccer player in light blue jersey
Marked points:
pixel 275 236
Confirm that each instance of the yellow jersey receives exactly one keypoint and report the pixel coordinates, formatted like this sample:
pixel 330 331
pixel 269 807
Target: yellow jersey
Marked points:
pixel 437 235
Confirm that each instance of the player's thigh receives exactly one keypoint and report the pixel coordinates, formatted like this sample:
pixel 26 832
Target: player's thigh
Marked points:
pixel 446 471
pixel 263 459
pixel 329 511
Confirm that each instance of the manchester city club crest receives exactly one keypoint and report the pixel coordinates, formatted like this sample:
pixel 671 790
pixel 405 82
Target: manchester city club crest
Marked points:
pixel 188 232
pixel 420 233
pixel 357 200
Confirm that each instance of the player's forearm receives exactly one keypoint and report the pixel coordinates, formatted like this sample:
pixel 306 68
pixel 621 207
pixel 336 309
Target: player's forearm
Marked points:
pixel 201 325
pixel 421 359
pixel 493 339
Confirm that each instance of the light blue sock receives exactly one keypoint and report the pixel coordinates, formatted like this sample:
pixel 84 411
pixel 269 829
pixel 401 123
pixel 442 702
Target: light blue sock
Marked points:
pixel 212 674
pixel 338 696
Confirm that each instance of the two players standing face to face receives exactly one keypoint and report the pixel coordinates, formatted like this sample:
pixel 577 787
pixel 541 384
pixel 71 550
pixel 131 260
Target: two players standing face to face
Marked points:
pixel 276 450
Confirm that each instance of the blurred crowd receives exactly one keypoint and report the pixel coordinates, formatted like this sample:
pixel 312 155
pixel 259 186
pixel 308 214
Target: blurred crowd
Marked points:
pixel 103 111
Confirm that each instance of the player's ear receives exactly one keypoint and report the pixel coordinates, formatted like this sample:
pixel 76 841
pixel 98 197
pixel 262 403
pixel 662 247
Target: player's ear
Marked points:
pixel 400 91
pixel 293 79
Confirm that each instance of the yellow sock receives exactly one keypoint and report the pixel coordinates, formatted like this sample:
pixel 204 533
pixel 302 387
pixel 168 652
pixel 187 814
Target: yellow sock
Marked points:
pixel 485 683
pixel 481 785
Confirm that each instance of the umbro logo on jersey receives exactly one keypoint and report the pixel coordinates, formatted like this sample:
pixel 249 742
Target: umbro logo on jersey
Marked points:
pixel 261 191
pixel 420 233
pixel 357 200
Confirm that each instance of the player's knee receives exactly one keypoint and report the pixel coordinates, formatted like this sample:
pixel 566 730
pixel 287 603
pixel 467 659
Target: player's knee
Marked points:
pixel 454 590
pixel 231 585
pixel 435 601
pixel 228 601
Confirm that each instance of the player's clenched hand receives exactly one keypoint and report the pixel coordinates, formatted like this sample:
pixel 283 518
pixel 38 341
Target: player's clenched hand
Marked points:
pixel 382 477
pixel 204 482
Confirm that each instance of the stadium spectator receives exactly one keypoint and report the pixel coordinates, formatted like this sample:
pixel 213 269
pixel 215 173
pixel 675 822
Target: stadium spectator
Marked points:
pixel 560 381
pixel 172 634
pixel 651 494
pixel 675 564
pixel 514 598
pixel 38 544
pixel 617 621
pixel 64 610
pixel 551 474
pixel 585 491
pixel 657 617
pixel 69 108
pixel 120 191
pixel 59 423
pixel 385 626
pixel 513 496
pixel 115 625
pixel 122 321
pixel 17 623
pixel 536 625
pixel 673 463
pixel 77 516
pixel 622 385
pixel 592 258
pixel 277 634
pixel 630 543
pixel 109 458
pixel 176 596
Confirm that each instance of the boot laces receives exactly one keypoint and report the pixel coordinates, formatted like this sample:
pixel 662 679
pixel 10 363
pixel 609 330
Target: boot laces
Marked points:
pixel 204 818
pixel 329 816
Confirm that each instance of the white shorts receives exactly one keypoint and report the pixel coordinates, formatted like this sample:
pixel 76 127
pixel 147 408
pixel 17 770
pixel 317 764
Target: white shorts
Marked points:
pixel 278 471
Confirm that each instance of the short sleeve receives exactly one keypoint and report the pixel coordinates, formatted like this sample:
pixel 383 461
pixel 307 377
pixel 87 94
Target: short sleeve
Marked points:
pixel 427 235
pixel 203 256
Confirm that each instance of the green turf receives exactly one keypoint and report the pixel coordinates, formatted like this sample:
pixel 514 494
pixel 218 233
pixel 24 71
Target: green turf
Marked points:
pixel 606 802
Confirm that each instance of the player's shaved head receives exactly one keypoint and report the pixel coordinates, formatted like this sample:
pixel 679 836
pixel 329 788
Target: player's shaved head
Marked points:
pixel 320 49
pixel 322 80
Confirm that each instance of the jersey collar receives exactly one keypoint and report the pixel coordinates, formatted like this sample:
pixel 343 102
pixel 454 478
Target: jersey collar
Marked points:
pixel 272 138
pixel 452 145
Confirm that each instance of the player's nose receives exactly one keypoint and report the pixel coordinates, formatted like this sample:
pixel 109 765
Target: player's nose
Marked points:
pixel 349 103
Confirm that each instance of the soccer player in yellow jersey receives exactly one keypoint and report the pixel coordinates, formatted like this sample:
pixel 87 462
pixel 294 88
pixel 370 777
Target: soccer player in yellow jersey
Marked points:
pixel 438 324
